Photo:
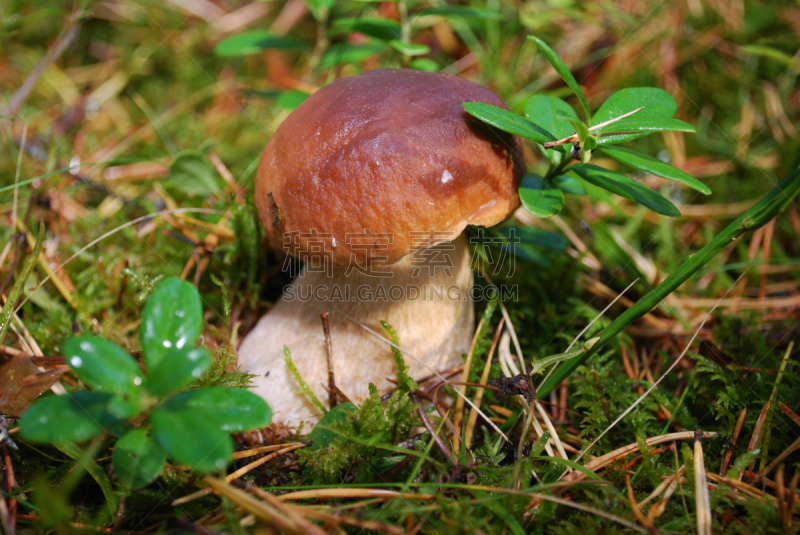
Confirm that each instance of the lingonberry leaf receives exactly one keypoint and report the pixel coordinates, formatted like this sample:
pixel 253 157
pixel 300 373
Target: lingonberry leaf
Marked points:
pixel 625 187
pixel 508 122
pixel 172 319
pixel 564 72
pixel 137 458
pixel 539 196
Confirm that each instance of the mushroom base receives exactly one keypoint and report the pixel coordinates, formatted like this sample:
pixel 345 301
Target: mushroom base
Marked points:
pixel 427 303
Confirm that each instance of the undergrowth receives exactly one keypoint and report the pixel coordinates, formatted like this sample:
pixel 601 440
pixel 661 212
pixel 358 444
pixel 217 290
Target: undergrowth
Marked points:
pixel 734 74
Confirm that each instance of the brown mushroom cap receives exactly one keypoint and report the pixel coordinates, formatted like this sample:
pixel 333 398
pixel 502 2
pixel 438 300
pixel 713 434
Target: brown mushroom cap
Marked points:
pixel 389 152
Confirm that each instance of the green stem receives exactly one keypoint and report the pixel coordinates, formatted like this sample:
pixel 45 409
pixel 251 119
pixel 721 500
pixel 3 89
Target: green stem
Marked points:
pixel 405 28
pixel 754 218
pixel 559 169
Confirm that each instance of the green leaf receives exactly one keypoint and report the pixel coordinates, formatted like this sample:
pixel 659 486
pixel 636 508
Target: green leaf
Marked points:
pixel 290 100
pixel 177 369
pixel 191 173
pixel 231 409
pixel 409 49
pixel 539 196
pixel 103 365
pixel 424 64
pixel 563 71
pixel 460 11
pixel 190 438
pixel 634 128
pixel 657 103
pixel 532 236
pixel 569 184
pixel 138 459
pixel 346 53
pixel 318 7
pixel 323 435
pixel 377 27
pixel 625 186
pixel 253 42
pixel 654 166
pixel 641 124
pixel 126 405
pixel 587 142
pixel 508 122
pixel 172 319
pixel 549 112
pixel 526 252
pixel 69 418
pixel 774 54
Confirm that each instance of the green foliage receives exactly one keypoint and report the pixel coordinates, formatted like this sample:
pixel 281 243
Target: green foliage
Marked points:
pixel 404 381
pixel 602 393
pixel 304 388
pixel 185 84
pixel 547 117
pixel 191 427
pixel 717 389
pixel 646 163
pixel 253 42
pixel 223 371
pixel 564 72
pixel 539 196
pixel 625 186
pixel 357 440
pixel 364 437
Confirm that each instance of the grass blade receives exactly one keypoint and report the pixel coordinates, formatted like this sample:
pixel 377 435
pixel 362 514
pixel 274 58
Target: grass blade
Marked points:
pixel 752 219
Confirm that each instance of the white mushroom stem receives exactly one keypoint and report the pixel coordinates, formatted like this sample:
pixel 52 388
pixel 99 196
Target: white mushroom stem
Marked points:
pixel 431 312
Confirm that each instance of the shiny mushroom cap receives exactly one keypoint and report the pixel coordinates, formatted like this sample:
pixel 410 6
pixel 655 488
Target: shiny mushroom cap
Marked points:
pixel 382 159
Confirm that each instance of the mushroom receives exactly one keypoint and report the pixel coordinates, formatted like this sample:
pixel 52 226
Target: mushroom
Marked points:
pixel 371 182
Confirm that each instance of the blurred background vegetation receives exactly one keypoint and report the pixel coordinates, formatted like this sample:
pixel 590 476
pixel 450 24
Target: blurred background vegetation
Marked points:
pixel 164 104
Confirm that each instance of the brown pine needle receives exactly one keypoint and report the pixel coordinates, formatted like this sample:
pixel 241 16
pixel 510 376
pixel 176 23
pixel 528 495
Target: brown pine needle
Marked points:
pixel 669 484
pixel 328 518
pixel 574 137
pixel 262 449
pixel 473 415
pixel 600 462
pixel 790 413
pixel 702 499
pixel 240 472
pixel 352 493
pixel 755 439
pixel 736 431
pixel 794 446
pixel 268 513
pixel 463 389
pixel 643 520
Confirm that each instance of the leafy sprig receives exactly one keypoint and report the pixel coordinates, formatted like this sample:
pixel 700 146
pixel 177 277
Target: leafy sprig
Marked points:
pixel 189 426
pixel 554 126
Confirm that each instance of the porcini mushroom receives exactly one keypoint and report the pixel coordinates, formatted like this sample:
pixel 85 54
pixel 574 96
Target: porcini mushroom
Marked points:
pixel 371 181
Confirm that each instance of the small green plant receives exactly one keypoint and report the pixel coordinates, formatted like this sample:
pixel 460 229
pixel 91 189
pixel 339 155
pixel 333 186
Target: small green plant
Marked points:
pixel 564 138
pixel 190 426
